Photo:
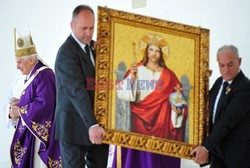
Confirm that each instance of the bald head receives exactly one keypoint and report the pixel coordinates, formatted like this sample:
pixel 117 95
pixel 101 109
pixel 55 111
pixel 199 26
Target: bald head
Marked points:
pixel 82 24
pixel 80 8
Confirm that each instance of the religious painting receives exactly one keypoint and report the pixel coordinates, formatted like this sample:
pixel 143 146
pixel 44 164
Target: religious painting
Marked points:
pixel 151 82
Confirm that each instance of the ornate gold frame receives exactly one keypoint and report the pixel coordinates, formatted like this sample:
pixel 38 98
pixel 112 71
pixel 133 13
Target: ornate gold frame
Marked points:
pixel 107 22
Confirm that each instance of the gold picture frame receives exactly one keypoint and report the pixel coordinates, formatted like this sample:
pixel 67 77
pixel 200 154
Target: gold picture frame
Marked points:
pixel 118 34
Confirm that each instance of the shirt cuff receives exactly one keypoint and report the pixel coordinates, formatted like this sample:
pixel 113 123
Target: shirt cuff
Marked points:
pixel 93 126
pixel 205 149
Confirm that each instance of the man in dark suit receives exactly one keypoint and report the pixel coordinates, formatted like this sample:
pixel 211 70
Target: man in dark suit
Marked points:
pixel 77 129
pixel 229 140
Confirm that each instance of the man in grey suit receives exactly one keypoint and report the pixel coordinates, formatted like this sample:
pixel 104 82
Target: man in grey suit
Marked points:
pixel 228 142
pixel 77 129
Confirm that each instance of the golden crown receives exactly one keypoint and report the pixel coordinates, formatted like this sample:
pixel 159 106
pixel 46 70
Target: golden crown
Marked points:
pixel 154 39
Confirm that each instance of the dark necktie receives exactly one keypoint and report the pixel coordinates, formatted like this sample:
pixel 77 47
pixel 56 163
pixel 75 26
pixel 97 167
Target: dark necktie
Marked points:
pixel 225 85
pixel 25 80
pixel 87 51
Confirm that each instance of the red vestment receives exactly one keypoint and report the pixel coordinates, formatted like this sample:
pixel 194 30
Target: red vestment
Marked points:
pixel 152 116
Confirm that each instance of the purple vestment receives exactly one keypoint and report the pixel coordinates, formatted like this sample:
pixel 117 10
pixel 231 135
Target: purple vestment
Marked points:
pixel 37 108
pixel 131 158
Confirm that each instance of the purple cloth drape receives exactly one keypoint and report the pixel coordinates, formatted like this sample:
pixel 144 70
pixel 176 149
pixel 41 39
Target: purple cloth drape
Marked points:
pixel 131 158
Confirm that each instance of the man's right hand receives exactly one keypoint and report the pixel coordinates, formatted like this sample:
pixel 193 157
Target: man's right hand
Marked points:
pixel 96 134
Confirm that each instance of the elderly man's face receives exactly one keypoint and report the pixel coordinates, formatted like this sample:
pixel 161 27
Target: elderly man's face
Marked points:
pixel 24 65
pixel 229 65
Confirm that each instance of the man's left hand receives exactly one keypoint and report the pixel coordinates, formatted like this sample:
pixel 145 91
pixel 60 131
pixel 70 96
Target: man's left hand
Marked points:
pixel 96 134
pixel 201 155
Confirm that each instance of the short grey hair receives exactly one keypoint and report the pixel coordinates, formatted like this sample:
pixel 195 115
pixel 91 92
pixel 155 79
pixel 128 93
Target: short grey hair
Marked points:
pixel 230 48
pixel 33 56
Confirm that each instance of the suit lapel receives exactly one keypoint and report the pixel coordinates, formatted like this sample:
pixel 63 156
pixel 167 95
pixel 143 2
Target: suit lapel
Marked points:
pixel 232 86
pixel 220 104
pixel 82 54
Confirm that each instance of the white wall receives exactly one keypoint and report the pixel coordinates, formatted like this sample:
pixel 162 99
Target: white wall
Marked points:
pixel 48 21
